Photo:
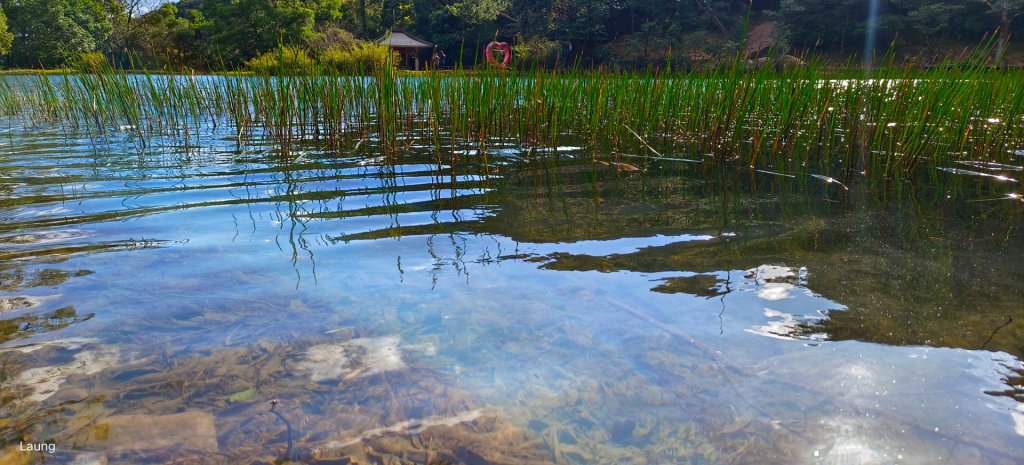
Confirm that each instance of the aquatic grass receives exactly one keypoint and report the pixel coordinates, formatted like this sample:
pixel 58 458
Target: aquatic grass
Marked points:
pixel 795 119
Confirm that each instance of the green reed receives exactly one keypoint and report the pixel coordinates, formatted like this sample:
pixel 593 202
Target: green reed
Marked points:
pixel 796 119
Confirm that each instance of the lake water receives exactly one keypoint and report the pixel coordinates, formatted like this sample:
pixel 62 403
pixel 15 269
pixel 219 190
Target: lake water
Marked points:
pixel 209 303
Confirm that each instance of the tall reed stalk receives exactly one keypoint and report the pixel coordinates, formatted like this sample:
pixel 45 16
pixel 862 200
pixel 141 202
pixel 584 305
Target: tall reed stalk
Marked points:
pixel 796 118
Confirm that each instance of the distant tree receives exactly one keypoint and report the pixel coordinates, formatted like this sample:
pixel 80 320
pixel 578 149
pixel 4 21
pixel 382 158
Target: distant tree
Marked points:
pixel 126 21
pixel 168 36
pixel 54 32
pixel 327 11
pixel 479 11
pixel 534 17
pixel 363 26
pixel 580 21
pixel 397 14
pixel 837 24
pixel 811 23
pixel 933 18
pixel 1006 10
pixel 5 36
pixel 936 22
pixel 242 29
pixel 372 18
pixel 332 38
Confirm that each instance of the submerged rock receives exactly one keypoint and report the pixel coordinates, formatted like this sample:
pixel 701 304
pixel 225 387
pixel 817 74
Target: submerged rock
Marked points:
pixel 407 427
pixel 352 359
pixel 43 382
pixel 90 458
pixel 15 303
pixel 473 437
pixel 12 456
pixel 72 343
pixel 193 430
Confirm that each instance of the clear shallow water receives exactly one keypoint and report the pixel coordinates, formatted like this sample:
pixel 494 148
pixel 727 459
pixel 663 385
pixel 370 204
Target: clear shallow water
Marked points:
pixel 535 309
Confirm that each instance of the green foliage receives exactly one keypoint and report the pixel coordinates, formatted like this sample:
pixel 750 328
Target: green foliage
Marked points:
pixel 360 58
pixel 402 15
pixel 640 51
pixel 330 38
pixel 534 51
pixel 243 29
pixel 284 60
pixel 478 11
pixel 934 18
pixel 370 19
pixel 837 24
pixel 169 37
pixel 327 11
pixel 840 25
pixel 581 20
pixel 93 62
pixel 5 36
pixel 1007 8
pixel 1007 11
pixel 630 33
pixel 54 32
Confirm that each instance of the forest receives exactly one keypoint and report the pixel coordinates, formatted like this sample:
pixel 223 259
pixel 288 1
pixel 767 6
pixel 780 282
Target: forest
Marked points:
pixel 229 34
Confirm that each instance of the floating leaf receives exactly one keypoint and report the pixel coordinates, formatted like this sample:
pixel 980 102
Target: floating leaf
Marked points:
pixel 242 396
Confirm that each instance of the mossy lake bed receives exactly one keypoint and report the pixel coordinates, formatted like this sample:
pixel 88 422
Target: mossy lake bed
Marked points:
pixel 717 267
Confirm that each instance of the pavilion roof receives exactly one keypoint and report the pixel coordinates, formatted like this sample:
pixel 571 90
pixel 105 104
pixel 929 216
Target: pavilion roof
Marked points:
pixel 402 39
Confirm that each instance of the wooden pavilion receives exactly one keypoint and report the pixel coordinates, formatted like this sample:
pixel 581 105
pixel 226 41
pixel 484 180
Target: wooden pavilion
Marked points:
pixel 409 47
